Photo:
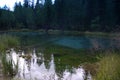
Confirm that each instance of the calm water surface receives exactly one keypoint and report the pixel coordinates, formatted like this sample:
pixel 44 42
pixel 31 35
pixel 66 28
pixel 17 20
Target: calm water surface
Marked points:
pixel 76 42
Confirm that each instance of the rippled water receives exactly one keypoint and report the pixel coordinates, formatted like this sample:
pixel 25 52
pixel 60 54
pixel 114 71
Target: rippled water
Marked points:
pixel 29 69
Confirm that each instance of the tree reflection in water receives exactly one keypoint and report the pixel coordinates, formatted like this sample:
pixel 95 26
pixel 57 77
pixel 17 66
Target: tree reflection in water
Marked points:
pixel 29 69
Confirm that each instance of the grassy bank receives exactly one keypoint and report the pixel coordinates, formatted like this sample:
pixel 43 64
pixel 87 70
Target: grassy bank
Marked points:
pixel 8 41
pixel 109 67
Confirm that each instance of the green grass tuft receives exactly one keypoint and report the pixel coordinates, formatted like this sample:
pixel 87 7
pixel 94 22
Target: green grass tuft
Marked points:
pixel 8 41
pixel 109 68
pixel 8 69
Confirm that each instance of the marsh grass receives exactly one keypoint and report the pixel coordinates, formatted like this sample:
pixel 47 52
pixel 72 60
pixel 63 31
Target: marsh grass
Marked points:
pixel 109 68
pixel 8 69
pixel 66 57
pixel 8 41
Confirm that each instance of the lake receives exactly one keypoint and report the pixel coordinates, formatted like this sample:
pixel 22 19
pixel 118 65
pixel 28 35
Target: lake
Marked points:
pixel 60 56
pixel 71 41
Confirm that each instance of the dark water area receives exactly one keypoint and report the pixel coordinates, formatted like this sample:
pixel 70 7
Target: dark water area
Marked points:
pixel 71 41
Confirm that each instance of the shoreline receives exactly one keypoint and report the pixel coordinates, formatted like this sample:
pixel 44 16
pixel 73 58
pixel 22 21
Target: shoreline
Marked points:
pixel 67 32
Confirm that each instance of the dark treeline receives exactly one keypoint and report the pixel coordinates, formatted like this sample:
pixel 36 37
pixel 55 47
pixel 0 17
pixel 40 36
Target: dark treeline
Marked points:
pixel 82 15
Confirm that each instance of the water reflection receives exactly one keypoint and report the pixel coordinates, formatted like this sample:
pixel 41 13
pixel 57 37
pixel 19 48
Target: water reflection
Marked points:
pixel 83 42
pixel 29 69
pixel 37 39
